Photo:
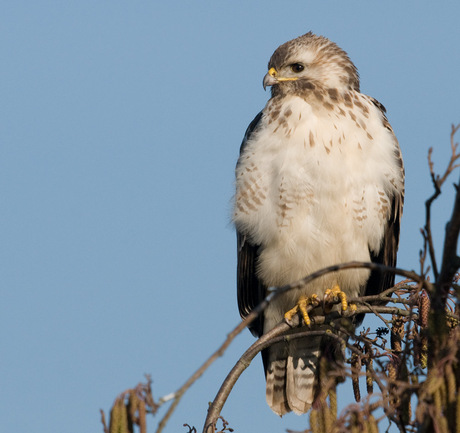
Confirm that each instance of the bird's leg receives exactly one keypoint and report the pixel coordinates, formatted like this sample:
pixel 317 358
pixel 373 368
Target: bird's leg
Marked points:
pixel 302 304
pixel 336 293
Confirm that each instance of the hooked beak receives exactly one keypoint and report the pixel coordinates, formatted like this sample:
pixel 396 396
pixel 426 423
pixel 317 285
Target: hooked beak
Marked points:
pixel 270 79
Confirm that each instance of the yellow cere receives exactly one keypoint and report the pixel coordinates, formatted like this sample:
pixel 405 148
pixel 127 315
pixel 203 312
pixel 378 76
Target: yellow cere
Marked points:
pixel 273 72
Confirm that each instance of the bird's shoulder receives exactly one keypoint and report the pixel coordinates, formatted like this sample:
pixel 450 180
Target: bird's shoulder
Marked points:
pixel 253 126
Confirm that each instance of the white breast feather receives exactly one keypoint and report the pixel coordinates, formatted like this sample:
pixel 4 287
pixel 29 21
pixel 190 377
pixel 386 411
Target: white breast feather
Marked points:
pixel 314 192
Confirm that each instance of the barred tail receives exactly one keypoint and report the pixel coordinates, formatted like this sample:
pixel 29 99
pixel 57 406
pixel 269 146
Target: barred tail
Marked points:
pixel 291 375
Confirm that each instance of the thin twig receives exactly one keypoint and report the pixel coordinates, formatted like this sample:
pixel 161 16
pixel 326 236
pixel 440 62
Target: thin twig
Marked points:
pixel 437 183
pixel 104 424
pixel 198 373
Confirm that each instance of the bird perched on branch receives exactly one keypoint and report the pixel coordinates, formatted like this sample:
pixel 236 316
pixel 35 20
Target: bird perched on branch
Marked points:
pixel 319 182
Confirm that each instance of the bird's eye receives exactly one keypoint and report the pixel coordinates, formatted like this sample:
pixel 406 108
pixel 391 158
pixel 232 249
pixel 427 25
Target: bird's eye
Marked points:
pixel 297 67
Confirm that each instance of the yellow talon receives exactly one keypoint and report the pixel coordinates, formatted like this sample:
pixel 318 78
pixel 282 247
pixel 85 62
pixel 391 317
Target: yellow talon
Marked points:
pixel 305 301
pixel 301 306
pixel 336 292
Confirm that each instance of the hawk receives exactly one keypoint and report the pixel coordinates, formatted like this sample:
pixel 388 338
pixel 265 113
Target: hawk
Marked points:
pixel 319 181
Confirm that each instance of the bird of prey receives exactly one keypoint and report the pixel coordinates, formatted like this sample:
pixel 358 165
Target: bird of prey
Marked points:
pixel 319 182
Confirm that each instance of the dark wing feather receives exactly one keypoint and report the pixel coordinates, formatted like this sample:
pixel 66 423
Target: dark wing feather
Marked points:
pixel 378 282
pixel 250 290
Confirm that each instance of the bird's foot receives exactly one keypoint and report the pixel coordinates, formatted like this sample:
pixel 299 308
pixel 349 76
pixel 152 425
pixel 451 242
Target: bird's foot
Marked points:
pixel 303 303
pixel 335 294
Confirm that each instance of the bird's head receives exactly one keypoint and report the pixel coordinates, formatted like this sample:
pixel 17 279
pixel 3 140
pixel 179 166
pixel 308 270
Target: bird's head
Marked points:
pixel 311 59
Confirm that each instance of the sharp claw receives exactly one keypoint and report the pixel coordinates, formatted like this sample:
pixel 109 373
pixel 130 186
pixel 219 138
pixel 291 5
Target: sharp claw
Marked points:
pixel 291 313
pixel 302 306
pixel 313 300
pixel 303 303
pixel 336 292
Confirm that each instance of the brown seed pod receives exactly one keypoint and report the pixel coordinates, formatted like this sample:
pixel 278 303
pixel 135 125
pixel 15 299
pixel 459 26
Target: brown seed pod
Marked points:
pixel 424 308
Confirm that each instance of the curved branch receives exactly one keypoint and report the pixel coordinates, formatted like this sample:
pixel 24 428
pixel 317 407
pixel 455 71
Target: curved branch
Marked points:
pixel 219 352
pixel 275 336
pixel 241 365
pixel 177 396
pixel 351 265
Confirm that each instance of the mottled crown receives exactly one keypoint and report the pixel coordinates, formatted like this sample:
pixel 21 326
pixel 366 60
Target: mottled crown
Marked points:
pixel 325 62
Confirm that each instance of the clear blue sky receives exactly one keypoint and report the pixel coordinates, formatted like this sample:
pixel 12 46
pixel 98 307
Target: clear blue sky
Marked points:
pixel 120 127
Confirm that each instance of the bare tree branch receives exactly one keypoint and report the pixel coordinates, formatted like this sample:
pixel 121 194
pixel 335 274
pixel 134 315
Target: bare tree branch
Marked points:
pixel 177 395
pixel 450 259
pixel 277 334
pixel 219 352
pixel 438 181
